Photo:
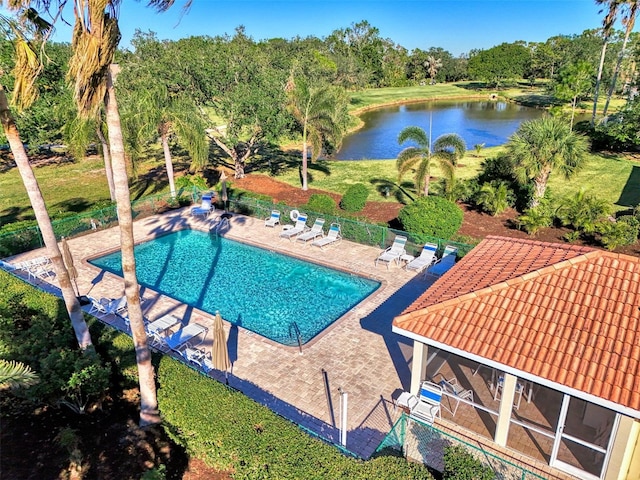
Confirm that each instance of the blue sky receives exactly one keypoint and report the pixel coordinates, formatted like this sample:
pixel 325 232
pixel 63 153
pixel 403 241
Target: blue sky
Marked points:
pixel 455 25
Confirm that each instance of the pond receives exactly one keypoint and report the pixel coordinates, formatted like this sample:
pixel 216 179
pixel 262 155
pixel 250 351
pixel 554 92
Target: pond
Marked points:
pixel 490 122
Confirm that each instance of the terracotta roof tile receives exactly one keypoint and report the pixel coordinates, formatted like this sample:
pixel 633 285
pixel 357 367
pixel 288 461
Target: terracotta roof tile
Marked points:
pixel 560 312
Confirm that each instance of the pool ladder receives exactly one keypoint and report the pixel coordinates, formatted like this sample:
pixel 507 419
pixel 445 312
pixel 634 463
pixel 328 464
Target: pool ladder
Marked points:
pixel 221 222
pixel 293 329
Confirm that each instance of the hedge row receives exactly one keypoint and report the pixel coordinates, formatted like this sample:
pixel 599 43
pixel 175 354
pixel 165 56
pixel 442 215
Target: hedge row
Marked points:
pixel 233 433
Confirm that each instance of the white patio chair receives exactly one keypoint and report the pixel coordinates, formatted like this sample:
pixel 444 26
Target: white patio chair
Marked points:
pixel 205 207
pixel 455 393
pixel 426 407
pixel 444 263
pixel 272 220
pixel 394 252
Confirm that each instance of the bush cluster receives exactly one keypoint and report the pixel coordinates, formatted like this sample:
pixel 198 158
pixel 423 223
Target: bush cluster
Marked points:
pixel 459 464
pixel 355 198
pixel 431 217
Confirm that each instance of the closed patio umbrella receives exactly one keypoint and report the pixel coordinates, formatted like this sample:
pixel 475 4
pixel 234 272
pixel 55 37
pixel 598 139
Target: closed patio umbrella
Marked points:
pixel 220 353
pixel 67 258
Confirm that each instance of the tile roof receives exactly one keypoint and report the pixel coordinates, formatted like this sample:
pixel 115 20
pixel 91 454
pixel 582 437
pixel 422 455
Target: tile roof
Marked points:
pixel 566 314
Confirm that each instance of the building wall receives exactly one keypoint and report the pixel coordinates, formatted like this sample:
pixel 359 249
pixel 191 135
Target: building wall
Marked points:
pixel 625 449
pixel 631 467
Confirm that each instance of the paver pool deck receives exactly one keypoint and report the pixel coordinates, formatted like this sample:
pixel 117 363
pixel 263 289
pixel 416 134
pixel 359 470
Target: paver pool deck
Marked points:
pixel 358 353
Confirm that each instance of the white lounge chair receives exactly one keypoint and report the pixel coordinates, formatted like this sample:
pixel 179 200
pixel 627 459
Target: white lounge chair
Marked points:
pixel 188 336
pixel 426 407
pixel 98 306
pixel 118 306
pixel 444 263
pixel 394 252
pixel 273 220
pixel 332 237
pixel 315 232
pixel 205 208
pixel 426 259
pixel 156 330
pixel 295 230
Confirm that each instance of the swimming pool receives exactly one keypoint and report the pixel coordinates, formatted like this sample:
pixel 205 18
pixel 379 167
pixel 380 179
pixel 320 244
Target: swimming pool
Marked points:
pixel 260 290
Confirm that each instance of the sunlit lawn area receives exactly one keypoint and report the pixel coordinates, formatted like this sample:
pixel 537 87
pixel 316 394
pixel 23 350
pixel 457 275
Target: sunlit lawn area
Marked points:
pixel 605 176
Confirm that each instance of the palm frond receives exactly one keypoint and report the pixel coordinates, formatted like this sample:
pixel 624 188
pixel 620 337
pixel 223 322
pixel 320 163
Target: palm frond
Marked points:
pixel 15 374
pixel 414 134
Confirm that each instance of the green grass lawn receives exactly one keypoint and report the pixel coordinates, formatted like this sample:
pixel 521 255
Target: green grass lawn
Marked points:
pixel 72 186
pixel 77 186
pixel 610 177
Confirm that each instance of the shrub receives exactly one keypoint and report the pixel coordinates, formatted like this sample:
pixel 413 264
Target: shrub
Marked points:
pixel 252 441
pixel 582 211
pixel 459 464
pixel 355 198
pixel 321 204
pixel 431 217
pixel 622 232
pixel 35 330
pixel 536 218
pixel 494 198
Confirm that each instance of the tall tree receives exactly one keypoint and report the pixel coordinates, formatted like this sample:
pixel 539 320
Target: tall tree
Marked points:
pixel 319 111
pixel 26 70
pixel 607 29
pixel 447 150
pixel 628 20
pixel 541 146
pixel 573 83
pixel 159 105
pixel 95 39
pixel 433 66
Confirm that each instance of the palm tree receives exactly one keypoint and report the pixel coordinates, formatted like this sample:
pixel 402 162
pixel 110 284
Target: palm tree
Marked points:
pixel 318 109
pixel 447 150
pixel 543 145
pixel 91 72
pixel 16 374
pixel 607 30
pixel 628 20
pixel 165 114
pixel 433 65
pixel 25 72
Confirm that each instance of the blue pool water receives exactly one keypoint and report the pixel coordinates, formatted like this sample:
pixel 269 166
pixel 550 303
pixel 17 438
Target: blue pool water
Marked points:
pixel 257 289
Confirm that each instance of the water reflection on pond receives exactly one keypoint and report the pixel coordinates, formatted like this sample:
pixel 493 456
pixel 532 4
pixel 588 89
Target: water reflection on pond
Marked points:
pixel 489 122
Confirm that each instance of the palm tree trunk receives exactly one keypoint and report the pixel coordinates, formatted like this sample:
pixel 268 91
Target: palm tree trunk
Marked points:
pixel 44 222
pixel 598 79
pixel 539 187
pixel 149 413
pixel 106 155
pixel 303 173
pixel 631 20
pixel 164 138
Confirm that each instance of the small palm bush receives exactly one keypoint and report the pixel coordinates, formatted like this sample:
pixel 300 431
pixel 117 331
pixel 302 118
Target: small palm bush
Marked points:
pixel 624 231
pixel 536 218
pixel 431 217
pixel 354 198
pixel 494 198
pixel 583 211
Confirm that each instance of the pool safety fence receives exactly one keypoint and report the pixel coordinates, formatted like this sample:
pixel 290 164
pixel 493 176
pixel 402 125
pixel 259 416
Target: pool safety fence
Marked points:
pixel 30 238
pixel 350 229
pixel 426 444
